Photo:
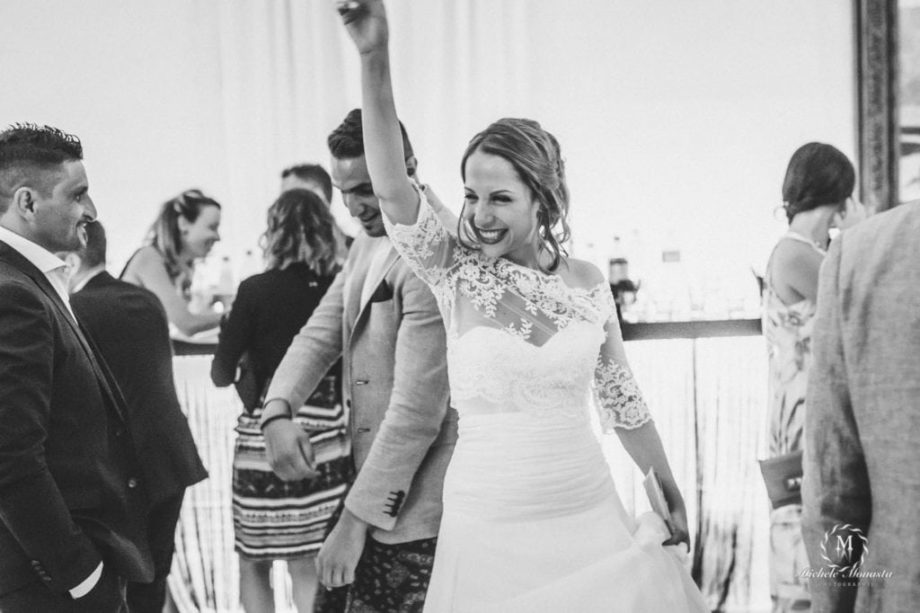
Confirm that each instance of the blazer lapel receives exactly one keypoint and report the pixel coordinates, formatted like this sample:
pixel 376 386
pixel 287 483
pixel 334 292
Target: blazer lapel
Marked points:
pixel 379 275
pixel 38 277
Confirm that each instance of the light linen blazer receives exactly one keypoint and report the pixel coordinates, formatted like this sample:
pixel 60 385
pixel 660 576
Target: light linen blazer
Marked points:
pixel 395 389
pixel 862 429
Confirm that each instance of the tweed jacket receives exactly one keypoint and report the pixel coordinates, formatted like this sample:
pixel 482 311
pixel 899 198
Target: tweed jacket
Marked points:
pixel 395 389
pixel 862 447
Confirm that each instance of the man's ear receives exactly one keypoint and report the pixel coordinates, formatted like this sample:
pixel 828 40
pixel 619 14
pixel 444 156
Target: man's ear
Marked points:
pixel 24 201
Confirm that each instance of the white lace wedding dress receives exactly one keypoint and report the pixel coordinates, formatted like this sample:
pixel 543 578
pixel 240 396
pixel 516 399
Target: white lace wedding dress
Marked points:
pixel 532 521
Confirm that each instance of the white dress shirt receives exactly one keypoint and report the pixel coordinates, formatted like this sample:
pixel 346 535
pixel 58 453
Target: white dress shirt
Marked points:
pixel 53 267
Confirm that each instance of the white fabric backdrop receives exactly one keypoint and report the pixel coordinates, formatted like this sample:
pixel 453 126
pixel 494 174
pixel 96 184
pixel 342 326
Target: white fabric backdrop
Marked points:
pixel 677 118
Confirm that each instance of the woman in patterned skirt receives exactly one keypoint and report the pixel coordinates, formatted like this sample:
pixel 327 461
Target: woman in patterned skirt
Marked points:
pixel 817 195
pixel 275 519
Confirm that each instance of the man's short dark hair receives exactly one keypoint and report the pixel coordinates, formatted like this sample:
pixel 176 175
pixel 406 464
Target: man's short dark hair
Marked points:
pixel 347 140
pixel 94 252
pixel 27 152
pixel 311 172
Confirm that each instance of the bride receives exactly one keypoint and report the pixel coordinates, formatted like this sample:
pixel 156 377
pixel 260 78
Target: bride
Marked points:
pixel 532 520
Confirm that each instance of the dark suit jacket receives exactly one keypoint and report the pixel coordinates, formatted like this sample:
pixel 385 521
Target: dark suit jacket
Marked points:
pixel 70 494
pixel 268 311
pixel 130 329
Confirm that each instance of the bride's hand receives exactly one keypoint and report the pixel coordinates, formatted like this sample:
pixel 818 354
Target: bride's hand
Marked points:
pixel 366 22
pixel 678 527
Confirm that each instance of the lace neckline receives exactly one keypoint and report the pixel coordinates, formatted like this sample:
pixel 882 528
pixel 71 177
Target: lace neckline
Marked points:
pixel 506 268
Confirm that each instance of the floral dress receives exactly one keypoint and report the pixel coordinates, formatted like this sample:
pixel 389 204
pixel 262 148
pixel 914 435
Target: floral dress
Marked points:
pixel 787 330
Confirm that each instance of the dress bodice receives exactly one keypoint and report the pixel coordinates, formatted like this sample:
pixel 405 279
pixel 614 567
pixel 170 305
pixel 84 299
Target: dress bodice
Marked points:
pixel 493 371
pixel 519 339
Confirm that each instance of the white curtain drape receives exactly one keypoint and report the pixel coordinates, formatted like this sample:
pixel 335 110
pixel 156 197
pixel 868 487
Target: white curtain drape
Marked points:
pixel 676 119
pixel 205 574
pixel 289 76
pixel 708 399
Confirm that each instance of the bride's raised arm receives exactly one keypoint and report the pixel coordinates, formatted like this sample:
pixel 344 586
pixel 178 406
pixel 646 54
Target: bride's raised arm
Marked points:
pixel 366 22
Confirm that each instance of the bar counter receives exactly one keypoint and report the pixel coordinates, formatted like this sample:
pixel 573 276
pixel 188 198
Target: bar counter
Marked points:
pixel 632 331
pixel 649 330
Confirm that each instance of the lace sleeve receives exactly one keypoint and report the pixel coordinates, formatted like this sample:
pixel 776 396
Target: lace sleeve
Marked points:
pixel 427 245
pixel 619 400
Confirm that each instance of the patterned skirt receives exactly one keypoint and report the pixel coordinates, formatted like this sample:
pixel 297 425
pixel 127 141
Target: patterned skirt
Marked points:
pixel 276 519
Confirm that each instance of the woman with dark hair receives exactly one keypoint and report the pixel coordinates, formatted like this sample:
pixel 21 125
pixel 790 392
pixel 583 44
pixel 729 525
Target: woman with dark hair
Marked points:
pixel 275 519
pixel 817 196
pixel 184 231
pixel 532 520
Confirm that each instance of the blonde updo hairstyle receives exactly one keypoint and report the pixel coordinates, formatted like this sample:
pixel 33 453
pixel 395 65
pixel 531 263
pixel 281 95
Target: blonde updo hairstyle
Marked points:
pixel 535 155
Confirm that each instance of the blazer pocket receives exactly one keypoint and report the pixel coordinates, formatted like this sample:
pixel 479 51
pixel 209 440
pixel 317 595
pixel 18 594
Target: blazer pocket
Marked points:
pixel 383 292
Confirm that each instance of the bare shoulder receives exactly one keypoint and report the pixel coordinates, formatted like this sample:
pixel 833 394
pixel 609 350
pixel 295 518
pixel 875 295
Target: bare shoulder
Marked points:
pixel 148 254
pixel 147 268
pixel 794 255
pixel 580 273
pixel 144 260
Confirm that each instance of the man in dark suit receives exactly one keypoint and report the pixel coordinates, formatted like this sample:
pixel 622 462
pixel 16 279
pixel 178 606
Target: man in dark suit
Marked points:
pixel 72 502
pixel 129 327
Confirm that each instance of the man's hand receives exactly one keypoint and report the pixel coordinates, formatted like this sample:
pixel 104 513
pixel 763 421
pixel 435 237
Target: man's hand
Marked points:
pixel 853 213
pixel 289 451
pixel 339 555
pixel 366 22
pixel 107 595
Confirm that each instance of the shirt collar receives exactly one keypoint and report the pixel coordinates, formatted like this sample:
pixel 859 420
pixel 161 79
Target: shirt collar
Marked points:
pixel 43 259
pixel 76 288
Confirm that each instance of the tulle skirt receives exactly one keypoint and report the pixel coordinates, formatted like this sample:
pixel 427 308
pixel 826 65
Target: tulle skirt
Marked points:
pixel 533 523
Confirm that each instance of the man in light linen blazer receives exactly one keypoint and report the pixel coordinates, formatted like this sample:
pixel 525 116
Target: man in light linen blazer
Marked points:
pixel 384 322
pixel 861 489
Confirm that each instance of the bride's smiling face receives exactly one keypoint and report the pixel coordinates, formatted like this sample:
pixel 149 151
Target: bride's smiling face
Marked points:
pixel 500 210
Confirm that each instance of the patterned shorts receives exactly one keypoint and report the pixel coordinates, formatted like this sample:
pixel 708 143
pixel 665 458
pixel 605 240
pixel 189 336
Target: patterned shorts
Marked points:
pixel 388 579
